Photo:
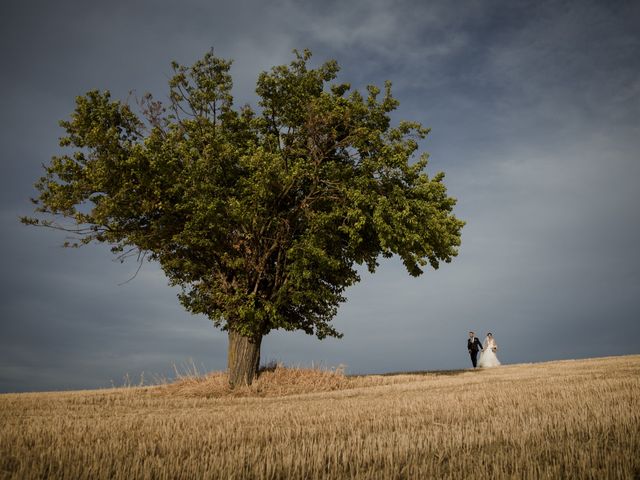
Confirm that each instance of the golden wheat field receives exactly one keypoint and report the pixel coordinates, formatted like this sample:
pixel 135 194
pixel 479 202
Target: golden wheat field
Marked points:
pixel 564 419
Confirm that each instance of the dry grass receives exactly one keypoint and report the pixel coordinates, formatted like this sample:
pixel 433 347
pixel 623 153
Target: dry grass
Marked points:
pixel 569 419
pixel 275 381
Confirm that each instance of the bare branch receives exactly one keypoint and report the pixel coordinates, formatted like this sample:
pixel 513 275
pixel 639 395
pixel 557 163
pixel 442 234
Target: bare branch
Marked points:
pixel 140 262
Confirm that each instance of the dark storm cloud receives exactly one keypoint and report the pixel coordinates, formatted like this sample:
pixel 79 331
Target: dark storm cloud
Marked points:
pixel 535 110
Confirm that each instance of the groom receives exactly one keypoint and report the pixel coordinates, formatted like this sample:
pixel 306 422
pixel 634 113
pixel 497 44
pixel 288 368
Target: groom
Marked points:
pixel 473 345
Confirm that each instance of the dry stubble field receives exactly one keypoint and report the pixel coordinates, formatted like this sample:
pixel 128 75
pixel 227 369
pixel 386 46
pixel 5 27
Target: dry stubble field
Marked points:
pixel 566 419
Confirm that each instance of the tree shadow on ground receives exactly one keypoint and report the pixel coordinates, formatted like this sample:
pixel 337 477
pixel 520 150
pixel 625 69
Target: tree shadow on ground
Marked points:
pixel 446 373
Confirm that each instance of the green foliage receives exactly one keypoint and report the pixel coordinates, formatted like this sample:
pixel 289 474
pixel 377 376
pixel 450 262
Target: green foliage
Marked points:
pixel 260 217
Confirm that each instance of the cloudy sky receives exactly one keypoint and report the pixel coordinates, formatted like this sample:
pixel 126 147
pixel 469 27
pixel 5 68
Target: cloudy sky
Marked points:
pixel 535 116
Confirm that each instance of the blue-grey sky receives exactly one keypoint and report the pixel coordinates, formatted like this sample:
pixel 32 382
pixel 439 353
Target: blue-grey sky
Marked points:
pixel 535 116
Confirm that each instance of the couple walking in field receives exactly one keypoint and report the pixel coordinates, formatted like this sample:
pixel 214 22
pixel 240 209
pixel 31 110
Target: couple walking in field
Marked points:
pixel 488 356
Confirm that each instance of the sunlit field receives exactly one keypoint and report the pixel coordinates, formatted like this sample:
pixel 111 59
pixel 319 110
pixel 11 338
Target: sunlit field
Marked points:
pixel 566 419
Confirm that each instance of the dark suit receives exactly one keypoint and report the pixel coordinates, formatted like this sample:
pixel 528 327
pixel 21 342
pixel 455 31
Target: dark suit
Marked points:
pixel 474 345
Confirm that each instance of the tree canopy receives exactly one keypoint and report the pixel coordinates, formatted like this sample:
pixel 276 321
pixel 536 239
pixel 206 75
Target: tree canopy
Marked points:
pixel 261 216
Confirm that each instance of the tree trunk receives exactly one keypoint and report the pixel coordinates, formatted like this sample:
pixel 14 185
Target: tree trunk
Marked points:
pixel 243 358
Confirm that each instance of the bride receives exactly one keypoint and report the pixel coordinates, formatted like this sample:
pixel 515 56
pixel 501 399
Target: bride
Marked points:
pixel 488 355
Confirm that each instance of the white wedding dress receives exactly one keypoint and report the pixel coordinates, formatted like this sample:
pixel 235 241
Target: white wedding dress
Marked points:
pixel 488 357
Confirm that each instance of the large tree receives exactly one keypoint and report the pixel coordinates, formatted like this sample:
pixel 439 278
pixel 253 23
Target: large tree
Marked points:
pixel 260 216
